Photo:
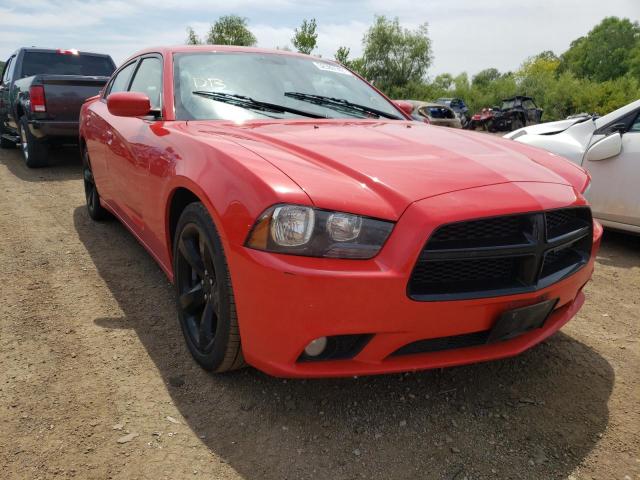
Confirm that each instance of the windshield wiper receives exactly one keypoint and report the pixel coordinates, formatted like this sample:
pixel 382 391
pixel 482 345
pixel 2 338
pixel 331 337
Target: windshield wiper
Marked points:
pixel 250 103
pixel 340 104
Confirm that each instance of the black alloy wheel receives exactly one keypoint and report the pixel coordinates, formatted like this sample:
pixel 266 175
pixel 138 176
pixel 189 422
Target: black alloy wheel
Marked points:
pixel 95 209
pixel 205 303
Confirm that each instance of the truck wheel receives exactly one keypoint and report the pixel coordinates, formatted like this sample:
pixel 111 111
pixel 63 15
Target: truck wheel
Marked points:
pixel 204 294
pixel 33 150
pixel 516 123
pixel 96 211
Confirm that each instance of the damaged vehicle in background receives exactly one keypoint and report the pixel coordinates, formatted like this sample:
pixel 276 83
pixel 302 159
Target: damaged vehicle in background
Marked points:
pixel 435 113
pixel 515 112
pixel 609 148
pixel 483 119
pixel 459 107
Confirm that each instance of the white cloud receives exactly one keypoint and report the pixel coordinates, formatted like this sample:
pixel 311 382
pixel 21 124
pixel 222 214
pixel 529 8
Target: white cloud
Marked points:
pixel 60 16
pixel 467 35
pixel 272 37
pixel 333 36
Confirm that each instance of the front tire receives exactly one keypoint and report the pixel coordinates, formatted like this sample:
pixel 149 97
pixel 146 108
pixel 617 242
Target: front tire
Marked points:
pixel 33 150
pixel 204 294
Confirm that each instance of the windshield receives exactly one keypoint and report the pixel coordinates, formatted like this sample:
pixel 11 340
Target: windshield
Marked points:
pixel 506 104
pixel 267 78
pixel 53 63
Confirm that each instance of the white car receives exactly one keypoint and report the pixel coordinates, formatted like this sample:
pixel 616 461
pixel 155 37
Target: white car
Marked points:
pixel 609 148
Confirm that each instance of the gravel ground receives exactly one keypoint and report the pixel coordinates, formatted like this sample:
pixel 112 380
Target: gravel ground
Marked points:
pixel 95 380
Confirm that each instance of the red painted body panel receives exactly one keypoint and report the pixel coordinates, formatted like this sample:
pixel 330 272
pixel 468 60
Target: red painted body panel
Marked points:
pixel 408 172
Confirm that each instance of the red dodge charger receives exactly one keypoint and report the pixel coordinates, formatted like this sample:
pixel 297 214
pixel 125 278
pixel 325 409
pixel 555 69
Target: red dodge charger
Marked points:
pixel 312 229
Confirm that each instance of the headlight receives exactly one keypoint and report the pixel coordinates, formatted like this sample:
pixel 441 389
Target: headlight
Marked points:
pixel 301 230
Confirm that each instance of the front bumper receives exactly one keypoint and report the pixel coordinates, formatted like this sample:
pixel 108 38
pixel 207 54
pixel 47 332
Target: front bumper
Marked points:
pixel 284 302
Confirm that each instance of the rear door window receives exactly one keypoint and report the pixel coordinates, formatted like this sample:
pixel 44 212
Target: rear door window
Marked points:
pixel 121 80
pixel 8 70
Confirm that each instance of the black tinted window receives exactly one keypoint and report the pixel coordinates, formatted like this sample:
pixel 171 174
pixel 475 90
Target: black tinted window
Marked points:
pixel 635 126
pixel 52 63
pixel 121 81
pixel 7 69
pixel 148 80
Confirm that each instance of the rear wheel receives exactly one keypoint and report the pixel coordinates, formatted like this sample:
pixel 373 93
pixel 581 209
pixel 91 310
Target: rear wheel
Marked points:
pixel 33 150
pixel 95 209
pixel 204 294
pixel 516 123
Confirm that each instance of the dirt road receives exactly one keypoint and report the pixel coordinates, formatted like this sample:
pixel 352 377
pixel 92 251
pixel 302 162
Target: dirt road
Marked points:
pixel 96 383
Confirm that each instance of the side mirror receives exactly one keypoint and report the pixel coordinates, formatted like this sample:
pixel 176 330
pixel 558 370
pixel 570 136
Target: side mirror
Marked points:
pixel 406 107
pixel 128 104
pixel 608 147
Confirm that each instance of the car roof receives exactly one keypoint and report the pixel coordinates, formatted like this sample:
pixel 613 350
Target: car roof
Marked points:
pixel 171 49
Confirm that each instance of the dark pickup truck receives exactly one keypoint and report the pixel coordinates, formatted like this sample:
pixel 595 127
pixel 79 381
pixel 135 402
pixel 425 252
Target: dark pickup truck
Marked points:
pixel 41 92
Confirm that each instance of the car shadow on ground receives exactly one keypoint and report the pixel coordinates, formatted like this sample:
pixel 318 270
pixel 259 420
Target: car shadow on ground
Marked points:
pixel 538 414
pixel 619 249
pixel 64 164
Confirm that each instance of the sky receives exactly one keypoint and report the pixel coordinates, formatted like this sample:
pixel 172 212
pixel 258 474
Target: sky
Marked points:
pixel 467 35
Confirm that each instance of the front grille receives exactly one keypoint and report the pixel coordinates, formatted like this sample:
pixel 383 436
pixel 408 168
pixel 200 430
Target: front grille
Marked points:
pixel 562 222
pixel 502 255
pixel 492 231
pixel 440 277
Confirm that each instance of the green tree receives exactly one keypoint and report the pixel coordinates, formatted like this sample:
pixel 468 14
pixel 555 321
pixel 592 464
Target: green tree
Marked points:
pixel 604 53
pixel 633 62
pixel 342 55
pixel 484 77
pixel 192 38
pixel 395 56
pixel 231 30
pixel 444 81
pixel 305 38
pixel 546 55
pixel 356 64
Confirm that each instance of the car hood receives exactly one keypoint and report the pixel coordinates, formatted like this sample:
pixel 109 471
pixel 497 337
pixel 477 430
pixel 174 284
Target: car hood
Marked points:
pixel 378 168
